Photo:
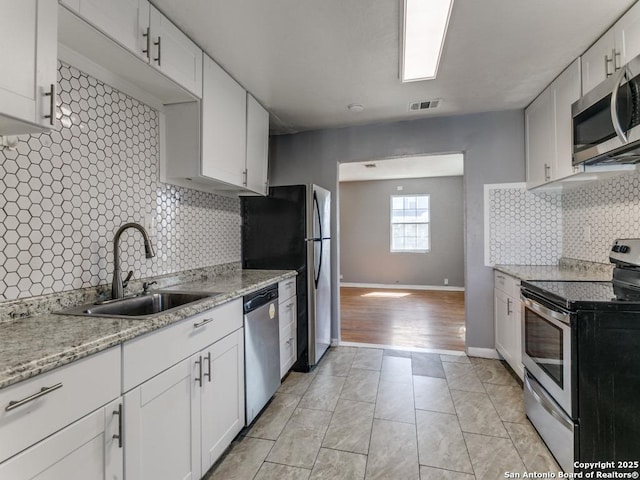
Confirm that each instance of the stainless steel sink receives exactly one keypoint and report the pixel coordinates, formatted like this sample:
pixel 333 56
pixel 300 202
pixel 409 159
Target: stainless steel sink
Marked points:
pixel 139 306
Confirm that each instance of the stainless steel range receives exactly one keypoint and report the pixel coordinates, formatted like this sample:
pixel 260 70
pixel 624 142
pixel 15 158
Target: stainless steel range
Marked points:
pixel 581 352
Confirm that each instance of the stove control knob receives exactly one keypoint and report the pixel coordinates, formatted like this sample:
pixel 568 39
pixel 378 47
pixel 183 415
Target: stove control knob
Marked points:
pixel 624 249
pixel 615 248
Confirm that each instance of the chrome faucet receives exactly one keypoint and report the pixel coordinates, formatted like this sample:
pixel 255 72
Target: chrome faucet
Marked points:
pixel 117 287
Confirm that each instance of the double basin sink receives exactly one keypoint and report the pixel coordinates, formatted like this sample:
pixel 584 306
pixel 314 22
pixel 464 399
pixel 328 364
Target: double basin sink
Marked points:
pixel 142 305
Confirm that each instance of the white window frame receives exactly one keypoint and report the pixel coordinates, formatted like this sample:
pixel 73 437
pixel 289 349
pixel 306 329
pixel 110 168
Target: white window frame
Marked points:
pixel 423 222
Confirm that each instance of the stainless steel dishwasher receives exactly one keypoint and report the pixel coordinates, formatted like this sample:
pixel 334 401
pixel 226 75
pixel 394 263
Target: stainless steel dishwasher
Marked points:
pixel 261 349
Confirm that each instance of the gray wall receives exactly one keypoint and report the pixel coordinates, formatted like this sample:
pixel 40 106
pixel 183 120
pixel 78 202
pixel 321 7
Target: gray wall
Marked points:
pixel 365 232
pixel 493 144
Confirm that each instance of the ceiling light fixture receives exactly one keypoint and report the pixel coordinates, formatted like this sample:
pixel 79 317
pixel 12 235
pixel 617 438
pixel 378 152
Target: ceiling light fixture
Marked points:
pixel 355 107
pixel 424 28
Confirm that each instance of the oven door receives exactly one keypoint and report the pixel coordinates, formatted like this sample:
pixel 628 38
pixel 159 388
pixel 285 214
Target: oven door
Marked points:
pixel 546 349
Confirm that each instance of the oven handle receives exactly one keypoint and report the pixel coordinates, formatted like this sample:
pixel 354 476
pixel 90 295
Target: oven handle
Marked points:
pixel 546 403
pixel 546 312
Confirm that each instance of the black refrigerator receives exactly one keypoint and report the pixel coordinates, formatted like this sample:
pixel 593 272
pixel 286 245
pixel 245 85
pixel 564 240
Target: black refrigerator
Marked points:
pixel 290 230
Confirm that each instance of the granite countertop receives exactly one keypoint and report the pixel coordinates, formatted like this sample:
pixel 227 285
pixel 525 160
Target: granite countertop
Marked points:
pixel 560 272
pixel 33 345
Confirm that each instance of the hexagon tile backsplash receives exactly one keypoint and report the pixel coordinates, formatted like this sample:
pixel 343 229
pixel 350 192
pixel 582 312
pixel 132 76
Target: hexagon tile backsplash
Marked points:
pixel 63 194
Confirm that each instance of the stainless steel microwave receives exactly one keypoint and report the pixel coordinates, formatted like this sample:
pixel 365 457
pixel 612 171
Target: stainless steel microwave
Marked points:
pixel 606 121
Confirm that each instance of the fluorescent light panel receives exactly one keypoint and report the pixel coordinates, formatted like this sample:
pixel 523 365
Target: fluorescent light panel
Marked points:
pixel 424 28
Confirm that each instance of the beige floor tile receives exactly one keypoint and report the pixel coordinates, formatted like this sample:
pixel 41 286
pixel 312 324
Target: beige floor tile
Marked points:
pixel 477 414
pixel 273 419
pixel 397 353
pixel 493 371
pixel 395 402
pixel 297 383
pixel 432 394
pixel 509 402
pixel 455 358
pixel 243 460
pixel 275 471
pixel 461 376
pixel 531 448
pixel 361 385
pixel 393 453
pixel 350 427
pixel 492 457
pixel 337 363
pixel 440 442
pixel 427 364
pixel 323 393
pixel 337 465
pixel 396 370
pixel 368 359
pixel 430 473
pixel 300 441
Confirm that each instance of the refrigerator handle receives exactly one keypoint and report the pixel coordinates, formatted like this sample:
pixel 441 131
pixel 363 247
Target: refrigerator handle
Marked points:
pixel 317 208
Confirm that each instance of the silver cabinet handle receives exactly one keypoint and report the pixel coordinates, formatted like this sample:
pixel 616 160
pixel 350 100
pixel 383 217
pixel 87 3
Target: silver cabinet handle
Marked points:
pixel 547 172
pixel 614 106
pixel 119 434
pixel 43 391
pixel 208 374
pixel 147 35
pixel 245 177
pixel 203 322
pixel 199 377
pixel 52 104
pixel 290 307
pixel 607 61
pixel 159 57
pixel 289 284
pixel 615 56
pixel 509 306
pixel 288 342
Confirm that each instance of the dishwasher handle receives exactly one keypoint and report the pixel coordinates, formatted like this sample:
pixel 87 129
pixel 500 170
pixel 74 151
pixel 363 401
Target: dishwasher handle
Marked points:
pixel 261 297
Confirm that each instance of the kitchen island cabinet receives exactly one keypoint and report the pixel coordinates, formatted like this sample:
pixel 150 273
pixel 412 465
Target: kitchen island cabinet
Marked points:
pixel 28 48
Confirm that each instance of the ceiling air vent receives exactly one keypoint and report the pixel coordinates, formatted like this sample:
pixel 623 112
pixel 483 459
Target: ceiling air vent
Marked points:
pixel 424 105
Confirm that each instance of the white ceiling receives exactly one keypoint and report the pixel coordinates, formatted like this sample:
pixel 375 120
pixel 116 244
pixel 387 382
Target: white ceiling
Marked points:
pixel 419 166
pixel 306 60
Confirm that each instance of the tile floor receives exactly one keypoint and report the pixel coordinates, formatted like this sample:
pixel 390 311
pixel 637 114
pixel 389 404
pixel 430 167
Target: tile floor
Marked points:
pixel 369 413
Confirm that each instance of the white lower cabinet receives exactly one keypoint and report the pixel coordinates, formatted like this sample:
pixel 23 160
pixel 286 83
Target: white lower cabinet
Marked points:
pixel 507 318
pixel 88 449
pixel 178 423
pixel 287 311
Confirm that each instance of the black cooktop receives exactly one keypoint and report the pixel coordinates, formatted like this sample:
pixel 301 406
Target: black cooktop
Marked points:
pixel 586 295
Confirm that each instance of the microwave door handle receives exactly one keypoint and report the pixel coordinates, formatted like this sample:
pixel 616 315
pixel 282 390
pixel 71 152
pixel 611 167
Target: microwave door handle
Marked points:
pixel 614 106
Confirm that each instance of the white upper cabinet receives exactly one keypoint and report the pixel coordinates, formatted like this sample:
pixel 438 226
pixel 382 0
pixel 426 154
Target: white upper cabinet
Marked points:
pixel 257 146
pixel 174 54
pixel 540 139
pixel 145 32
pixel 614 49
pixel 566 91
pixel 125 21
pixel 224 126
pixel 28 48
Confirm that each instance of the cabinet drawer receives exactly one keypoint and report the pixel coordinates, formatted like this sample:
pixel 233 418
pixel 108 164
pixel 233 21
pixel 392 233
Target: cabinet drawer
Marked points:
pixel 507 284
pixel 85 385
pixel 154 352
pixel 286 289
pixel 287 312
pixel 287 348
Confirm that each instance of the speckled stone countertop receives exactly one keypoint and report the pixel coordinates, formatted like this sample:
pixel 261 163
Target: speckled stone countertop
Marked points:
pixel 567 270
pixel 36 344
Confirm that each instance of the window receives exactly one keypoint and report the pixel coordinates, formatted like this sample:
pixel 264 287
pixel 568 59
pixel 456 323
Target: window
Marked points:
pixel 410 223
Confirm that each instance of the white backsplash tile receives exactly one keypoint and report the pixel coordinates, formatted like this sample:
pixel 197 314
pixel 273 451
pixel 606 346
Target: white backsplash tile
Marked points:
pixel 64 193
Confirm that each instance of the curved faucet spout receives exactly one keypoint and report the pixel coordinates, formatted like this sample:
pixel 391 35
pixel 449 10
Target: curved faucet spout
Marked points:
pixel 117 290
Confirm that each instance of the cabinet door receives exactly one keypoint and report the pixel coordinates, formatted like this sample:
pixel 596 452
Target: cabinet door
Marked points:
pixel 125 21
pixel 224 133
pixel 174 54
pixel 516 326
pixel 566 89
pixel 29 51
pixel 540 139
pixel 162 425
pixel 85 450
pixel 597 62
pixel 222 403
pixel 257 146
pixel 627 33
pixel 502 325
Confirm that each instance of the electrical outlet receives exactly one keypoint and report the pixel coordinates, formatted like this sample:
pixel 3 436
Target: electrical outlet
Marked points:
pixel 446 281
pixel 150 223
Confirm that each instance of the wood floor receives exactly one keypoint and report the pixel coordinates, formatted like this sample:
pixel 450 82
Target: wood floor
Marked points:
pixel 424 319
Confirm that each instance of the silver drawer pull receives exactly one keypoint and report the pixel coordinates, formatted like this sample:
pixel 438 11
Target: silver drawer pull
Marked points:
pixel 289 284
pixel 204 322
pixel 289 307
pixel 43 391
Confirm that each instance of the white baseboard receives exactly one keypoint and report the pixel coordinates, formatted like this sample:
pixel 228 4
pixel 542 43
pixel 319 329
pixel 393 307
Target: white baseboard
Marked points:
pixel 448 288
pixel 483 352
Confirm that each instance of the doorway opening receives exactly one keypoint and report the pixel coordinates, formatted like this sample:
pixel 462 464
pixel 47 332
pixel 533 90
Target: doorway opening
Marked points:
pixel 401 244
